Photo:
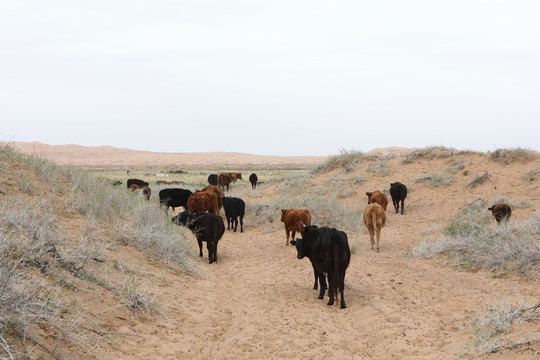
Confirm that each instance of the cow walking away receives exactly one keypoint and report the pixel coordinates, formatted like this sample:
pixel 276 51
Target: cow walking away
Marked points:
pixel 329 253
pixel 202 201
pixel 253 180
pixel 213 179
pixel 294 220
pixel 234 208
pixel 374 219
pixel 378 197
pixel 224 180
pixel 206 227
pixel 501 212
pixel 398 192
pixel 174 197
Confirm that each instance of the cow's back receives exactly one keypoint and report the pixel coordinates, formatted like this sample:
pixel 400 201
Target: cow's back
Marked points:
pixel 296 217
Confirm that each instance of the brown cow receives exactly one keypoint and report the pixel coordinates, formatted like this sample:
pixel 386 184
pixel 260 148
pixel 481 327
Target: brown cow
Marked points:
pixel 202 201
pixel 134 187
pixel 235 176
pixel 378 197
pixel 218 192
pixel 146 191
pixel 501 212
pixel 374 219
pixel 294 221
pixel 224 180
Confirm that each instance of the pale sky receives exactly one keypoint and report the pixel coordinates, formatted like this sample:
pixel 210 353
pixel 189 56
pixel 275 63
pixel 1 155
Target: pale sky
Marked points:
pixel 271 77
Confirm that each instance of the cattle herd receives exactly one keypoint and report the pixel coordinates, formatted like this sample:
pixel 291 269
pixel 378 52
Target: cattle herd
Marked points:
pixel 327 248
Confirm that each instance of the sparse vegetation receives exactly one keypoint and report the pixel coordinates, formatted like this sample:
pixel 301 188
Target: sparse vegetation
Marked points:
pixel 346 159
pixel 478 180
pixel 429 153
pixel 436 180
pixel 503 326
pixel 472 239
pixel 507 156
pixel 35 244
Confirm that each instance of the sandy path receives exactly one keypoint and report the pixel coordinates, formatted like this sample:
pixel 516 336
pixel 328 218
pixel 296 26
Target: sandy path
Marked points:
pixel 258 303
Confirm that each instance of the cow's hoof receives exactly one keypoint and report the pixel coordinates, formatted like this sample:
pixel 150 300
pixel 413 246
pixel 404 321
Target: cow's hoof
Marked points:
pixel 343 306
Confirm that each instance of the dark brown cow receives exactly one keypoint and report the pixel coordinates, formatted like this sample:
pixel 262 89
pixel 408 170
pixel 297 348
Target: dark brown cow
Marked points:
pixel 295 220
pixel 146 191
pixel 224 180
pixel 501 212
pixel 235 176
pixel 203 201
pixel 374 219
pixel 378 197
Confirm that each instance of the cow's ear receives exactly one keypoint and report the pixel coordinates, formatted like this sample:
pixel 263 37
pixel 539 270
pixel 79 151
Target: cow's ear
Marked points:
pixel 293 242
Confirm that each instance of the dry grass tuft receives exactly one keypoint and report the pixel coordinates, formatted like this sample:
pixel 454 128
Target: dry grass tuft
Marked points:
pixel 507 156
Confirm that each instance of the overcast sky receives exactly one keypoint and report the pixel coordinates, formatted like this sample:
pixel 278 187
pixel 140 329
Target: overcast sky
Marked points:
pixel 271 77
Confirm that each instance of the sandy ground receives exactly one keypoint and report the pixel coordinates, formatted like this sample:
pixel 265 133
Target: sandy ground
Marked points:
pixel 257 302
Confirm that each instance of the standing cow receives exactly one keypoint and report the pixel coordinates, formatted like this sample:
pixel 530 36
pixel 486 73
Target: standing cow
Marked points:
pixel 174 197
pixel 213 179
pixel 234 208
pixel 374 219
pixel 202 201
pixel 138 182
pixel 205 227
pixel 253 180
pixel 329 253
pixel 294 220
pixel 378 197
pixel 501 212
pixel 224 180
pixel 398 192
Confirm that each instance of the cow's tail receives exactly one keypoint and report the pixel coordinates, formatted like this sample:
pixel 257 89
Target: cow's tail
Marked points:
pixel 337 246
pixel 374 219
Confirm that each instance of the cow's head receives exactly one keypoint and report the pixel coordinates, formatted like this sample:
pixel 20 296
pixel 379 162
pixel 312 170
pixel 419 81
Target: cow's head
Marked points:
pixel 181 219
pixel 368 196
pixel 299 243
pixel 284 214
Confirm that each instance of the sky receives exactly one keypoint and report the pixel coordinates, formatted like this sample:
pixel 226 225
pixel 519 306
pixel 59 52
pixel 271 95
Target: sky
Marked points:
pixel 292 77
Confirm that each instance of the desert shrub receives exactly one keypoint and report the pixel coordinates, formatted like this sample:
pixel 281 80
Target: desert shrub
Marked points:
pixel 494 328
pixel 507 156
pixel 346 159
pixel 478 180
pixel 137 297
pixel 379 167
pixel 436 180
pixel 468 241
pixel 152 231
pixel 531 175
pixel 429 153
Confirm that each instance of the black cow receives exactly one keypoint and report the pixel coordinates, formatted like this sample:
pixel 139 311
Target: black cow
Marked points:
pixel 206 227
pixel 328 250
pixel 234 208
pixel 253 180
pixel 117 183
pixel 212 179
pixel 174 197
pixel 398 191
pixel 136 182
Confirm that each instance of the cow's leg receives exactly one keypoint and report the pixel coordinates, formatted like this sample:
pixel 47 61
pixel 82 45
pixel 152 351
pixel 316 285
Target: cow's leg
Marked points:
pixel 235 224
pixel 315 285
pixel 215 251
pixel 228 223
pixel 322 282
pixel 293 234
pixel 210 247
pixel 341 288
pixel 241 223
pixel 200 247
pixel 402 205
pixel 378 237
pixel 396 205
pixel 331 289
pixel 287 241
pixel 371 236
